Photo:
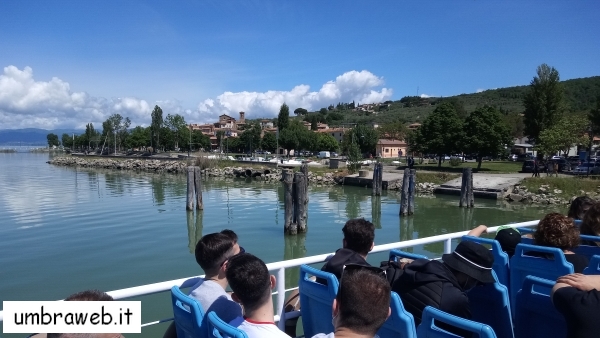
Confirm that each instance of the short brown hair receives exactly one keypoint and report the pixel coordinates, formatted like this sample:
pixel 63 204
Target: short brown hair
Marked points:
pixel 359 235
pixel 557 230
pixel 591 221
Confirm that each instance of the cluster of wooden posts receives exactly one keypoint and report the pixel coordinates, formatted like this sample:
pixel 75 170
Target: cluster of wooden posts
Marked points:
pixel 295 203
pixel 194 185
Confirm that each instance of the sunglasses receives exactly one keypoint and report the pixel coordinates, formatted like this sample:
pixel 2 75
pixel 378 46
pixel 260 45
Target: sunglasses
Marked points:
pixel 242 250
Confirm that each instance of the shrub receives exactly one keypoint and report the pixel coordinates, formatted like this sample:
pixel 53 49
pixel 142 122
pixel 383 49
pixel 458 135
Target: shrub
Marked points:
pixel 455 161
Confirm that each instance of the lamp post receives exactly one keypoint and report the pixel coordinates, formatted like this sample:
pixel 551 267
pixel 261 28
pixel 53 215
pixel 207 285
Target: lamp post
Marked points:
pixel 589 154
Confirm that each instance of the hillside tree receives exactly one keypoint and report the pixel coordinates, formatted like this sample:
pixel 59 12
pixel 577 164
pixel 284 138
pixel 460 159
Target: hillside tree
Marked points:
pixel 300 111
pixel 543 102
pixel 441 132
pixel 485 133
pixel 283 119
pixel 594 118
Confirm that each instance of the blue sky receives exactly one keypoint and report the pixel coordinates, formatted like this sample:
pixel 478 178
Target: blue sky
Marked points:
pixel 89 59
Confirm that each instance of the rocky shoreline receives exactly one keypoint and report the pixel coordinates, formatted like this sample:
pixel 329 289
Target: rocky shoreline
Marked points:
pixel 544 195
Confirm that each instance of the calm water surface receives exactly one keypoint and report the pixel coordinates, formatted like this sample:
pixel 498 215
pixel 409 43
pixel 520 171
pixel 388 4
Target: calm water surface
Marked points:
pixel 64 230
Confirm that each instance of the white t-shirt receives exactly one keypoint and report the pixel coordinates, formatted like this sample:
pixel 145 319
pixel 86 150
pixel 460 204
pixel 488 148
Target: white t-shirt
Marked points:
pixel 258 329
pixel 213 297
pixel 322 335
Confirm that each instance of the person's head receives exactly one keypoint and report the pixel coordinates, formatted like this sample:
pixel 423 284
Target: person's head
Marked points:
pixel 250 281
pixel 90 296
pixel 591 221
pixel 362 304
pixel 359 235
pixel 212 251
pixel 471 263
pixel 234 238
pixel 579 206
pixel 87 296
pixel 508 239
pixel 557 230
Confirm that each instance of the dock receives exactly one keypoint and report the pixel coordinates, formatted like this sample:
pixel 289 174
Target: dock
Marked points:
pixel 389 180
pixel 491 186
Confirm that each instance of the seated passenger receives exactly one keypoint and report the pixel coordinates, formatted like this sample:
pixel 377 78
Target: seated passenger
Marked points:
pixel 507 237
pixel 579 206
pixel 443 284
pixel 359 236
pixel 362 304
pixel 84 296
pixel 577 298
pixel 591 224
pixel 559 231
pixel 251 283
pixel 212 252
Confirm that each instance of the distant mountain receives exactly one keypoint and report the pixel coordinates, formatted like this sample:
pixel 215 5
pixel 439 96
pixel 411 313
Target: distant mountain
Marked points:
pixel 31 136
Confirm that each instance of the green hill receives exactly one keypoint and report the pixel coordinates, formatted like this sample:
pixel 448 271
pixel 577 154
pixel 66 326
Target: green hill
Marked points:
pixel 580 96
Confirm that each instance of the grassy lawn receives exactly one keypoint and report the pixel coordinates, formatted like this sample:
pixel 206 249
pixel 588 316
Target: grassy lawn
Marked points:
pixel 486 166
pixel 570 186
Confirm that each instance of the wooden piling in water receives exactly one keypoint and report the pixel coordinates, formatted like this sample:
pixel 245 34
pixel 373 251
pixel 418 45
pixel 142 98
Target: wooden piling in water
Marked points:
pixel 301 201
pixel 377 179
pixel 412 181
pixel 287 177
pixel 198 186
pixel 189 202
pixel 404 194
pixel 466 189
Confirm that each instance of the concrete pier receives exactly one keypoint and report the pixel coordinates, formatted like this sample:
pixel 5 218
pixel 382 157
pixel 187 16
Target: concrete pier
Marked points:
pixel 389 180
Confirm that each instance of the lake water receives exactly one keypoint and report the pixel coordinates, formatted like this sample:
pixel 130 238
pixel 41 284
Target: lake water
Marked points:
pixel 64 230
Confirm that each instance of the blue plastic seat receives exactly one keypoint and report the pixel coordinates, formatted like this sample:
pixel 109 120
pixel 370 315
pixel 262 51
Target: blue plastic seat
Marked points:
pixel 317 300
pixel 427 329
pixel 524 263
pixel 490 304
pixel 396 254
pixel 501 261
pixel 535 315
pixel 188 314
pixel 400 323
pixel 594 267
pixel 217 328
pixel 588 250
pixel 527 240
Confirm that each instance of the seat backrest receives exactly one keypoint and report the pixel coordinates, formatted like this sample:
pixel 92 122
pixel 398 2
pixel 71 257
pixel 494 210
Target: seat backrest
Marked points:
pixel 527 240
pixel 400 323
pixel 490 304
pixel 188 314
pixel 535 316
pixel 396 254
pixel 527 261
pixel 588 250
pixel 317 300
pixel 428 329
pixel 217 328
pixel 501 260
pixel 594 267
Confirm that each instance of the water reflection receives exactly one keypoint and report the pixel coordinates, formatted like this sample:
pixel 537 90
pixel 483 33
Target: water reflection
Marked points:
pixel 376 211
pixel 194 226
pixel 295 247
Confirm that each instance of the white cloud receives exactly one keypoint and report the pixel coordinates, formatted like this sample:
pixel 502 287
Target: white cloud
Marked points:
pixel 27 103
pixel 350 86
pixel 479 90
pixel 425 96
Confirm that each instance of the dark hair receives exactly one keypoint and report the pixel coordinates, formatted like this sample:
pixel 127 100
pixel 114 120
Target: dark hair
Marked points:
pixel 579 206
pixel 230 234
pixel 359 235
pixel 557 230
pixel 90 295
pixel 591 221
pixel 212 250
pixel 249 279
pixel 363 301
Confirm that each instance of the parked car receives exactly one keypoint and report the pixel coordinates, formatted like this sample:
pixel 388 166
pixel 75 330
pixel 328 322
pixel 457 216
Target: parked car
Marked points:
pixel 524 157
pixel 563 165
pixel 528 166
pixel 574 161
pixel 513 157
pixel 593 168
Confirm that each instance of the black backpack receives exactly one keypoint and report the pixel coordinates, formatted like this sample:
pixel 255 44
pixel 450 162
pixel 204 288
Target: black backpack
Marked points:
pixel 393 271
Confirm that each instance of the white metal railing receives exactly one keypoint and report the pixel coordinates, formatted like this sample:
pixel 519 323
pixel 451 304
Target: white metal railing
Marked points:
pixel 279 269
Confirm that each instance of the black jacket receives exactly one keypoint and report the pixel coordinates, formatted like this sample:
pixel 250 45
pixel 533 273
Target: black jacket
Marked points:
pixel 343 256
pixel 431 283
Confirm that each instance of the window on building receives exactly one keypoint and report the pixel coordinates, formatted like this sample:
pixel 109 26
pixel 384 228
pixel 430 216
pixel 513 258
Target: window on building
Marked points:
pixel 387 150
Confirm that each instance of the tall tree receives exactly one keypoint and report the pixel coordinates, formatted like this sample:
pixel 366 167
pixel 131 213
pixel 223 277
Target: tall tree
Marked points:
pixel 327 142
pixel 543 102
pixel 364 136
pixel 594 117
pixel 441 132
pixel 283 119
pixel 250 138
pixel 139 137
pixel 562 136
pixel 52 140
pixel 176 124
pixel 393 131
pixel 156 124
pixel 67 140
pixel 300 111
pixel 269 142
pixel 485 133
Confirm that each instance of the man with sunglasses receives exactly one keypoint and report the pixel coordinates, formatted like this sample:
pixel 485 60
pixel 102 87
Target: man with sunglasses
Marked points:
pixel 362 304
pixel 212 253
pixel 443 284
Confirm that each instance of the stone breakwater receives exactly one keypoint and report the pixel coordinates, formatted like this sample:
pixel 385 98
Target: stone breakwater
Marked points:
pixel 175 167
pixel 544 195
